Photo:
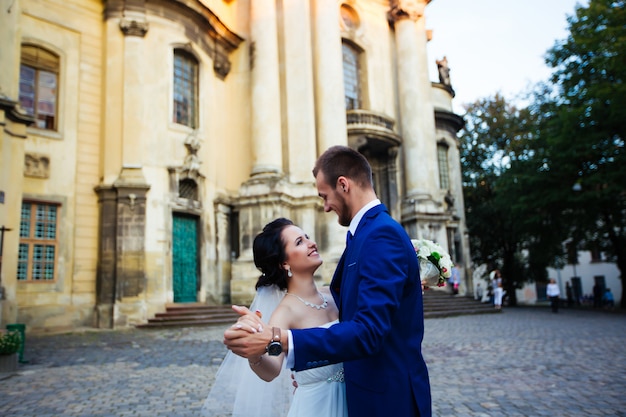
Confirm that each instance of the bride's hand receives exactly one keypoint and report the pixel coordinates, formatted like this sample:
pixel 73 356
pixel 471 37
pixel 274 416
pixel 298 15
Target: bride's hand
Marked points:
pixel 244 337
pixel 248 321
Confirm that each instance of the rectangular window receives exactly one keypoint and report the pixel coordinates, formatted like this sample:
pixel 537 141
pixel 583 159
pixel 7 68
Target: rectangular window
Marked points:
pixel 185 88
pixel 351 77
pixel 36 259
pixel 38 85
pixel 444 173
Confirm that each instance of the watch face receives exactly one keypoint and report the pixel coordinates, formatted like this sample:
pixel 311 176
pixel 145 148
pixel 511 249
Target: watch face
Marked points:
pixel 274 349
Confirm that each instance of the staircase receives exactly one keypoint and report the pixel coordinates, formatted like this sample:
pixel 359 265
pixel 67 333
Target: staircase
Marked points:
pixel 192 314
pixel 437 304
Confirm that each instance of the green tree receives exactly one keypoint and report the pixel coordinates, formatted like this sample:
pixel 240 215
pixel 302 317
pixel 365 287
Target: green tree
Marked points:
pixel 554 171
pixel 495 136
pixel 585 131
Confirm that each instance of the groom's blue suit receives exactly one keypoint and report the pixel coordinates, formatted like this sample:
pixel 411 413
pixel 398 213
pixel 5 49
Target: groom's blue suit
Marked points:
pixel 379 294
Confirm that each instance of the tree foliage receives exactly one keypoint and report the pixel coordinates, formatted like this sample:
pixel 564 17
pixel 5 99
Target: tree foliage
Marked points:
pixel 556 170
pixel 494 137
pixel 587 132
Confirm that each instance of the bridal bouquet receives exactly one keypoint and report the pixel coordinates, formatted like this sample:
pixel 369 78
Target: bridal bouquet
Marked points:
pixel 435 263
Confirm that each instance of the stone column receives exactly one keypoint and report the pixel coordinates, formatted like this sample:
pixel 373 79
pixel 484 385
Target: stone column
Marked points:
pixel 121 274
pixel 299 94
pixel 416 110
pixel 121 277
pixel 134 27
pixel 328 64
pixel 219 290
pixel 332 128
pixel 266 116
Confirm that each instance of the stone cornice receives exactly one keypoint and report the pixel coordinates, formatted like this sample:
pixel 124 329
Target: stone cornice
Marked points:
pixel 201 25
pixel 14 113
pixel 131 27
pixel 406 9
pixel 372 125
pixel 451 119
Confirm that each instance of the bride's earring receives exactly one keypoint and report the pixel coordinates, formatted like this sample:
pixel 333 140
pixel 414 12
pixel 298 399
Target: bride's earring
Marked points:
pixel 289 273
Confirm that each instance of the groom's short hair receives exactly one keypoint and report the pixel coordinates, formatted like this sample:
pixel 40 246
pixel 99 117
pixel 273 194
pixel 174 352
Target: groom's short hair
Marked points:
pixel 339 161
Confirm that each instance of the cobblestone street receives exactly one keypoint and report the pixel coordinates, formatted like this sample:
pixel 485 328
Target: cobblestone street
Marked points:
pixel 523 362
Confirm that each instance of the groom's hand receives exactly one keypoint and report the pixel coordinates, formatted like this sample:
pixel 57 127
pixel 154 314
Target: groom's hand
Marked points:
pixel 249 336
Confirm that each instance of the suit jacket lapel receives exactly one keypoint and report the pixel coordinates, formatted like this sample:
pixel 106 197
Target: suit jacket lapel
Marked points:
pixel 335 284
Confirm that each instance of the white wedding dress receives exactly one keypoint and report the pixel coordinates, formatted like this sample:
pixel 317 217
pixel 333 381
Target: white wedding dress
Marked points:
pixel 239 392
pixel 321 392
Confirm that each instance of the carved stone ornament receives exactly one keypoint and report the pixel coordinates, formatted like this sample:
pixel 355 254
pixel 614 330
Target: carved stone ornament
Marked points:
pixel 407 9
pixel 191 164
pixel 132 27
pixel 221 64
pixel 36 165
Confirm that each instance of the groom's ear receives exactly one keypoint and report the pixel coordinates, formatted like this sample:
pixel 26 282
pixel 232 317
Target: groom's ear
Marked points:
pixel 343 184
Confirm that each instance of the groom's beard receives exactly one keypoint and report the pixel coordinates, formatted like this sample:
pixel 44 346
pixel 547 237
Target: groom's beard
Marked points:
pixel 343 213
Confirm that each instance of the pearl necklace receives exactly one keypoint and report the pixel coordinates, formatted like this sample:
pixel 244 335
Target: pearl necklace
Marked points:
pixel 318 306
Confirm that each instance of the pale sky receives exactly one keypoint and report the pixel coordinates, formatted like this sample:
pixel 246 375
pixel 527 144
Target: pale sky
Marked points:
pixel 494 45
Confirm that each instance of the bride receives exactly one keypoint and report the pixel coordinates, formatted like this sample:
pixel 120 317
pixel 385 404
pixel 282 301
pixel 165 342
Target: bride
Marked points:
pixel 286 292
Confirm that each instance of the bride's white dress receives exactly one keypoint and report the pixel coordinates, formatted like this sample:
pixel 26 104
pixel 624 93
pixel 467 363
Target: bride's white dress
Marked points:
pixel 238 392
pixel 321 392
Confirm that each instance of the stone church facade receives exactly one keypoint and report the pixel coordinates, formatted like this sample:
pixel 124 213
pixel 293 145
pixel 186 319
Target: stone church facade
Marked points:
pixel 145 143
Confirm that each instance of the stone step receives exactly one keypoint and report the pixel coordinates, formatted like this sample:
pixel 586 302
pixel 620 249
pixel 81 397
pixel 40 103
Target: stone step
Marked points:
pixel 437 304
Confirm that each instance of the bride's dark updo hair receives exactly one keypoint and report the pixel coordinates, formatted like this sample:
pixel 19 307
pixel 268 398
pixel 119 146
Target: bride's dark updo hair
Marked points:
pixel 269 254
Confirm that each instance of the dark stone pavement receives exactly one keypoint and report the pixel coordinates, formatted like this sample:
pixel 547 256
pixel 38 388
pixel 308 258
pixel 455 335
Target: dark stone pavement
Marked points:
pixel 523 362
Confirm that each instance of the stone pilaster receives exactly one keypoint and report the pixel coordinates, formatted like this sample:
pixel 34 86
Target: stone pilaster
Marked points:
pixel 134 114
pixel 416 110
pixel 328 65
pixel 299 93
pixel 266 116
pixel 121 280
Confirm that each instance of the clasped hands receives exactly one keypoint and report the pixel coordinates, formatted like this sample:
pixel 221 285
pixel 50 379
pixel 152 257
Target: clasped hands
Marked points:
pixel 249 336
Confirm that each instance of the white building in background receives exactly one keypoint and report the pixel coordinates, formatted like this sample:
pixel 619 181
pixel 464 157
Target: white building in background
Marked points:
pixel 582 277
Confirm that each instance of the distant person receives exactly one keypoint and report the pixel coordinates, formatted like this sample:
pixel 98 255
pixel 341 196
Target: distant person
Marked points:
pixel 498 290
pixel 478 295
pixel 553 293
pixel 569 293
pixel 597 296
pixel 608 300
pixel 454 280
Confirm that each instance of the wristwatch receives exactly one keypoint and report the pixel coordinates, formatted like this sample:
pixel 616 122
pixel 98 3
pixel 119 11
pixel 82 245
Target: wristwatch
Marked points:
pixel 274 348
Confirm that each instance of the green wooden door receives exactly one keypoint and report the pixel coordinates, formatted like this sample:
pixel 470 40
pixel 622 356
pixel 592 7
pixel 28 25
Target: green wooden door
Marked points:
pixel 185 258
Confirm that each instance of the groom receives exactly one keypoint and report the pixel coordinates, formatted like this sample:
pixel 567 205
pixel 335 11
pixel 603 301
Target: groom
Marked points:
pixel 378 291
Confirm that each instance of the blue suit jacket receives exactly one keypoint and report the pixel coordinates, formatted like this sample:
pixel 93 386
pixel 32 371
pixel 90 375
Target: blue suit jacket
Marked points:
pixel 379 294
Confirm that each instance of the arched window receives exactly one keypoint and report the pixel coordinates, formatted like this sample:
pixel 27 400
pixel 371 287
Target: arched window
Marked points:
pixel 185 89
pixel 39 84
pixel 444 173
pixel 351 76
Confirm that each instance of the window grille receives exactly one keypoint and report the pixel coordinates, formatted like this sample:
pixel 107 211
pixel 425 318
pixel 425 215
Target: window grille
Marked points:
pixel 188 188
pixel 38 242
